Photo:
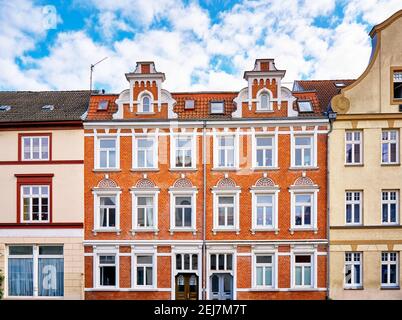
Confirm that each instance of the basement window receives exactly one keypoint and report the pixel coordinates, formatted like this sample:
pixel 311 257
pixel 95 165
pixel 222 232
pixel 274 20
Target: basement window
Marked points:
pixel 217 107
pixel 102 105
pixel 397 85
pixel 305 106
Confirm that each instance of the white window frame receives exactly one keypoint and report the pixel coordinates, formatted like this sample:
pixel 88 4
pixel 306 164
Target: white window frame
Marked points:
pixel 154 153
pixel 313 148
pixel 313 265
pixel 270 100
pixel 352 203
pixel 105 251
pixel 140 102
pixel 389 142
pixel 274 149
pixel 314 195
pixel 254 212
pixel 388 202
pixel 236 223
pixel 30 138
pixel 176 192
pixel 216 149
pixel 144 193
pixel 354 142
pixel 144 251
pixel 30 197
pixel 98 150
pixel 106 193
pixel 35 256
pixel 273 253
pixel 173 149
pixel 388 263
pixel 352 263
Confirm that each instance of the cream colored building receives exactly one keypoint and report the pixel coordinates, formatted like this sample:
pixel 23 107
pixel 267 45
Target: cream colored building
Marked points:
pixel 42 196
pixel 365 175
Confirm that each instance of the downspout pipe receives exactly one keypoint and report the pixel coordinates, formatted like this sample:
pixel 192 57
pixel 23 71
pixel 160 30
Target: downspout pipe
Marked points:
pixel 331 117
pixel 204 211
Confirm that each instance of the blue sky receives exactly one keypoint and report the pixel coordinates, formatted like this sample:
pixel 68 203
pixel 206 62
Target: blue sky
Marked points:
pixel 200 45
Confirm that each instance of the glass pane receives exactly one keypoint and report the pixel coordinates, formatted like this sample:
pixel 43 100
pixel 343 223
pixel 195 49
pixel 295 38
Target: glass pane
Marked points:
pixel 179 217
pixel 348 153
pixel 145 143
pixel 178 261
pixel 20 250
pixel 213 261
pixel 307 276
pixel 298 276
pixel 107 259
pixel 141 217
pixel 194 262
pixel 221 217
pixel 268 276
pixel 348 274
pixel 215 284
pixel 112 217
pixel 264 142
pixel 108 276
pixel 357 213
pixel 103 159
pixel 107 201
pixel 298 155
pixel 268 216
pixel 226 200
pixel 150 217
pixel 384 274
pixel 303 259
pixel 260 274
pixel 348 213
pixel 303 141
pixel 307 215
pixel 392 274
pixel 145 201
pixel 260 216
pixel 184 201
pixel 230 216
pixel 20 276
pixel 264 259
pixel 140 276
pixel 260 158
pixel 187 217
pixel 51 250
pixel 264 199
pixel 229 260
pixel 144 259
pixel 393 212
pixel 186 262
pixel 357 153
pixel 149 276
pixel 51 276
pixel 227 283
pixel 109 144
pixel 221 260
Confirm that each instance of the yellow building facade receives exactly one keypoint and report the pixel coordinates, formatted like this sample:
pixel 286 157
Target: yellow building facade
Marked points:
pixel 365 175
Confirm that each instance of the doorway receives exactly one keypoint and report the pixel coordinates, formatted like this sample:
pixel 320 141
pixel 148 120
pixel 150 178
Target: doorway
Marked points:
pixel 186 286
pixel 221 286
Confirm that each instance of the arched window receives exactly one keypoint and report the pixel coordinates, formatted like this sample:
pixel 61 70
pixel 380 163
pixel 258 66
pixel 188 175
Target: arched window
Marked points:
pixel 146 104
pixel 264 102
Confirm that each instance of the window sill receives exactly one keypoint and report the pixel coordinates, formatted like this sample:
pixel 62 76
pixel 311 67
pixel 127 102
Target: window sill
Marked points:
pixel 215 230
pixel 144 169
pixel 303 289
pixel 390 288
pixel 183 169
pixel 254 230
pixel 293 230
pixel 106 170
pixel 177 230
pixel 264 111
pixel 354 164
pixel 396 164
pixel 354 288
pixel 144 230
pixel 96 231
pixel 225 169
pixel 145 113
pixel 262 289
pixel 264 168
pixel 304 168
pixel 35 160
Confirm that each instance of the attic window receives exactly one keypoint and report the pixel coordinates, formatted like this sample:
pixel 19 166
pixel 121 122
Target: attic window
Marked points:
pixel 340 85
pixel 102 105
pixel 189 104
pixel 5 108
pixel 217 107
pixel 397 86
pixel 49 107
pixel 305 106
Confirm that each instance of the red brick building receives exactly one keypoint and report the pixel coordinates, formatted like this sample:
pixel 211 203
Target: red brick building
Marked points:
pixel 214 195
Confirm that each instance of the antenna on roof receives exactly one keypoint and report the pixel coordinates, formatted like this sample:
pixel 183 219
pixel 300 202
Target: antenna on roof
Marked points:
pixel 92 70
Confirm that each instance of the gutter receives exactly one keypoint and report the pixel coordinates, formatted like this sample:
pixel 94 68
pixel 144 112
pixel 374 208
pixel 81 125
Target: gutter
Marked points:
pixel 204 211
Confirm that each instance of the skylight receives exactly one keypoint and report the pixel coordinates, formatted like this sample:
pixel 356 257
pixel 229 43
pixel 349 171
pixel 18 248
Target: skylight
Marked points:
pixel 340 85
pixel 103 105
pixel 189 104
pixel 5 108
pixel 217 107
pixel 305 106
pixel 49 107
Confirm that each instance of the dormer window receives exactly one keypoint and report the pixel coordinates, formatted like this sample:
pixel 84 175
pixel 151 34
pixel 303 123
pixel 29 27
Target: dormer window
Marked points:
pixel 264 102
pixel 217 107
pixel 145 105
pixel 305 106
pixel 397 86
pixel 102 105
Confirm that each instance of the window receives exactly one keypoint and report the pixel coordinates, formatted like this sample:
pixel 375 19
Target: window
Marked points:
pixel 226 208
pixel 103 104
pixel 5 108
pixel 189 104
pixel 265 151
pixel 217 107
pixel 186 262
pixel 397 85
pixel 107 270
pixel 221 262
pixel 264 267
pixel 303 271
pixel 390 210
pixel 145 206
pixel 146 104
pixel 353 269
pixel 354 147
pixel 35 148
pixel 226 152
pixel 183 152
pixel 107 211
pixel 389 269
pixel 35 203
pixel 353 207
pixel 144 270
pixel 265 210
pixel 145 153
pixel 264 103
pixel 107 153
pixel 303 210
pixel 303 151
pixel 183 211
pixel 389 147
pixel 305 106
pixel 46 279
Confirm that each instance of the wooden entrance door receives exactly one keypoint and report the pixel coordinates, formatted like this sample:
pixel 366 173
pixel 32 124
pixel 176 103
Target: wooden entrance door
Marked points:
pixel 186 286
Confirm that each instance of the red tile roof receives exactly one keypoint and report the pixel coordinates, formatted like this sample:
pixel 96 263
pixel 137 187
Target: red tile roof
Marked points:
pixel 310 96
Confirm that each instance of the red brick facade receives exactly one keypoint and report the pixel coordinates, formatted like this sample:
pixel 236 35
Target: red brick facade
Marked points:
pixel 123 261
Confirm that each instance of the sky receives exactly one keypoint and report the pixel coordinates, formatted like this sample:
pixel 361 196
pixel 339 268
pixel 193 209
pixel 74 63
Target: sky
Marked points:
pixel 199 45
